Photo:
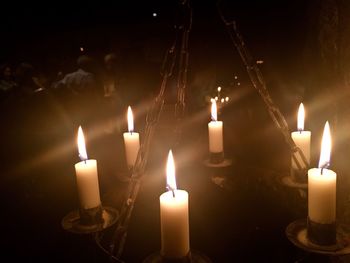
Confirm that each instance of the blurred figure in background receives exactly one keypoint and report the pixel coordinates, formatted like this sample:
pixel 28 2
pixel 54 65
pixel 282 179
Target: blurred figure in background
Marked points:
pixel 7 83
pixel 83 80
pixel 112 92
pixel 27 80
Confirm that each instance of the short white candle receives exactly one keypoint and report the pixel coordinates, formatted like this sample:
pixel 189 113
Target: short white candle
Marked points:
pixel 302 139
pixel 175 241
pixel 86 176
pixel 131 141
pixel 322 186
pixel 215 131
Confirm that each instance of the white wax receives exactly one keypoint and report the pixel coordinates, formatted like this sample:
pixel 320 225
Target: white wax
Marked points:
pixel 322 195
pixel 215 137
pixel 302 140
pixel 132 146
pixel 87 183
pixel 174 224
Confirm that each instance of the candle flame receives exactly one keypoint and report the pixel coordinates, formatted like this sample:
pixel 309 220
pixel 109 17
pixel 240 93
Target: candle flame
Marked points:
pixel 222 100
pixel 81 145
pixel 130 120
pixel 326 147
pixel 214 114
pixel 301 117
pixel 170 172
pixel 219 89
pixel 227 99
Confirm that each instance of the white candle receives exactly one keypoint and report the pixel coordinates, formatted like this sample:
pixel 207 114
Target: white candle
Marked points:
pixel 175 242
pixel 322 185
pixel 301 139
pixel 86 176
pixel 131 141
pixel 215 131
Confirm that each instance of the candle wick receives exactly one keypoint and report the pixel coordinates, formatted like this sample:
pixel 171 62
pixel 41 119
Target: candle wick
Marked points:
pixel 325 166
pixel 83 159
pixel 171 189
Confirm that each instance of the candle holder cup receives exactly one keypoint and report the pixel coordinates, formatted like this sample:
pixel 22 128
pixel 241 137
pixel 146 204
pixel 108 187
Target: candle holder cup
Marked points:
pixel 85 221
pixel 217 160
pixel 321 234
pixel 327 239
pixel 192 257
pixel 90 216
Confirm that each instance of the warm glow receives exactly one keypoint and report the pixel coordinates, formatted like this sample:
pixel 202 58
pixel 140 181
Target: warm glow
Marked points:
pixel 326 147
pixel 227 99
pixel 130 120
pixel 301 117
pixel 219 89
pixel 170 172
pixel 222 100
pixel 81 145
pixel 216 98
pixel 214 114
pixel 81 49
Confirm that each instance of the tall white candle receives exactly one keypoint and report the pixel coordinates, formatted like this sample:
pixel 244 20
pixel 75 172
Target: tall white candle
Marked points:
pixel 322 185
pixel 215 131
pixel 175 241
pixel 86 177
pixel 302 139
pixel 131 141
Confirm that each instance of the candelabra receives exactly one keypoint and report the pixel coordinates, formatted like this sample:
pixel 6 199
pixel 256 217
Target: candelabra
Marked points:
pixel 85 221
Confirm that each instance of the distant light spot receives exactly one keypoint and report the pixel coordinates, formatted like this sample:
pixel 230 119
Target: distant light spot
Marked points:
pixel 222 100
pixel 216 98
pixel 227 99
pixel 238 83
pixel 260 62
pixel 81 49
pixel 154 14
pixel 236 77
pixel 219 89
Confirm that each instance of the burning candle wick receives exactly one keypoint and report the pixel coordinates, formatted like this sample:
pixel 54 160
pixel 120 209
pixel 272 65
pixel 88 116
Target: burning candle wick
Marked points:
pixel 171 189
pixel 325 166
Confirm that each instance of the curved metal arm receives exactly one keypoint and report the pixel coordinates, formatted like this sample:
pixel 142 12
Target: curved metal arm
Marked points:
pixel 259 84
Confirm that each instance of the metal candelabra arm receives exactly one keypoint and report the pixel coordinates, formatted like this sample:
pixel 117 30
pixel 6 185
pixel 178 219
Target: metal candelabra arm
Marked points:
pixel 117 243
pixel 258 82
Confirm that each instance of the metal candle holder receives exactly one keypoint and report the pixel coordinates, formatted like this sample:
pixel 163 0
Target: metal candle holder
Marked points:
pixel 217 160
pixel 192 257
pixel 85 221
pixel 328 239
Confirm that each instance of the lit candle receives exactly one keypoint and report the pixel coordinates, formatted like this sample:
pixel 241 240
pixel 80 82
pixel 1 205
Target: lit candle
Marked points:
pixel 322 185
pixel 175 242
pixel 302 139
pixel 86 176
pixel 131 141
pixel 215 131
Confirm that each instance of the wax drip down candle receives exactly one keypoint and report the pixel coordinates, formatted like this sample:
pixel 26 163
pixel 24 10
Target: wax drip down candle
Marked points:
pixel 131 141
pixel 215 127
pixel 301 139
pixel 87 184
pixel 175 242
pixel 322 196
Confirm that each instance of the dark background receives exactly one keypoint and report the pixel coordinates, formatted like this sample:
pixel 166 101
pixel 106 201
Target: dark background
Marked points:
pixel 304 49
